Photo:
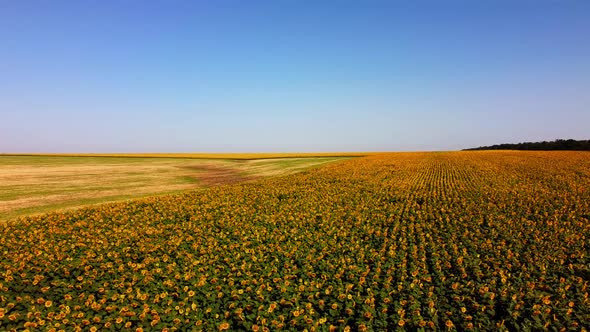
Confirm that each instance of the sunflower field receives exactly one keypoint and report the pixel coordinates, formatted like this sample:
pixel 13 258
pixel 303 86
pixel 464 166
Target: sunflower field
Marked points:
pixel 490 240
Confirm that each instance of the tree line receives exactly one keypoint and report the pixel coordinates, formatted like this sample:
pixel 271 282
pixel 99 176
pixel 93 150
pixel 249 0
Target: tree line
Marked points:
pixel 558 144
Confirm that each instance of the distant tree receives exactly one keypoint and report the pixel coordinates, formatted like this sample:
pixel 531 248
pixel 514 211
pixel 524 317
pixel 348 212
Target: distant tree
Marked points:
pixel 558 144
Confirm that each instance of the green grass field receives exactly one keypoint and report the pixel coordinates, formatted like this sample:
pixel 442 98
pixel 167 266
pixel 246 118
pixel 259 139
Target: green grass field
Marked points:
pixel 38 184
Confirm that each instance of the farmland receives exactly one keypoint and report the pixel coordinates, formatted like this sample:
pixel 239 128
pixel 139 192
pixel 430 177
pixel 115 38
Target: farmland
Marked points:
pixel 490 240
pixel 41 183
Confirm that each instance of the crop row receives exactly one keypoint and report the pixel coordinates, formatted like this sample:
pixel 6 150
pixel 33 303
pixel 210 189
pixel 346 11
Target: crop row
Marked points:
pixel 406 241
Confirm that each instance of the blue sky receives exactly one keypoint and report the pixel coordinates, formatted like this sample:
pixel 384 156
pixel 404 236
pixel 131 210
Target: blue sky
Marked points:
pixel 266 76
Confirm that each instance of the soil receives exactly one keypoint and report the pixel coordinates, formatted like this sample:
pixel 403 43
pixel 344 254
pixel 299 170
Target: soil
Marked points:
pixel 215 175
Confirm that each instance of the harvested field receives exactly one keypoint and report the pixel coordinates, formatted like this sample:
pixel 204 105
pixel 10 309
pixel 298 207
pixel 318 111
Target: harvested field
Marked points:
pixel 36 184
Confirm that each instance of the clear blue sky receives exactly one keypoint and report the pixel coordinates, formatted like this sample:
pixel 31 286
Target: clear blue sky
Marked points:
pixel 237 76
